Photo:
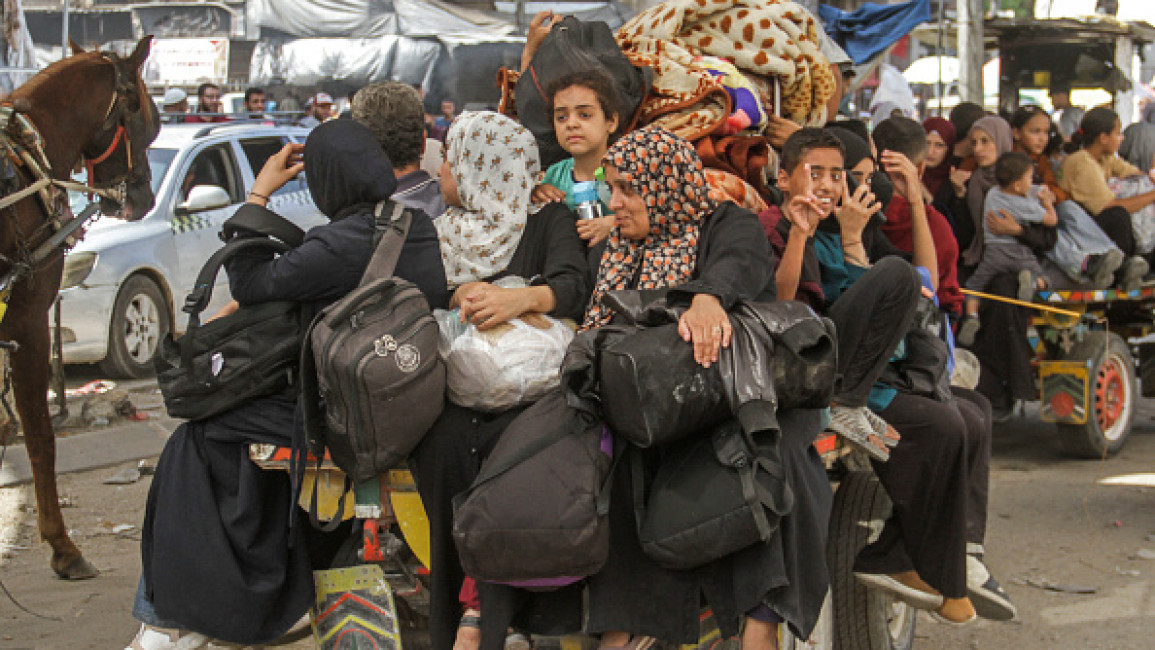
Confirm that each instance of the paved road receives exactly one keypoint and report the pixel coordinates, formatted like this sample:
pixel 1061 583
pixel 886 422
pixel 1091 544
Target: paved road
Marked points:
pixel 1052 520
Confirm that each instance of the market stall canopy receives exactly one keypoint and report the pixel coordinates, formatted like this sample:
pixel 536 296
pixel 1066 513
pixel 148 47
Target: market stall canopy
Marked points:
pixel 369 18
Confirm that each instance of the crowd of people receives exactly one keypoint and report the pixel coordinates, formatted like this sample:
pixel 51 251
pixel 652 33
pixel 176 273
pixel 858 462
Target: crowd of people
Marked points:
pixel 256 105
pixel 875 229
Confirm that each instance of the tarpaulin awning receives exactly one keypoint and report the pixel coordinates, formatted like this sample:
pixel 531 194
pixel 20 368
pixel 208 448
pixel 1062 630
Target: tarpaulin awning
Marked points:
pixel 370 18
pixel 867 31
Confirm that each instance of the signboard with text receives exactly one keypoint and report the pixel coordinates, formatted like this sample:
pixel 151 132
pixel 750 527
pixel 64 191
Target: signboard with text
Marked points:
pixel 176 61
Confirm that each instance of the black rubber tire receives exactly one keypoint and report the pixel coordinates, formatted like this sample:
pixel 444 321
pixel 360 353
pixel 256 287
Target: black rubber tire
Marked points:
pixel 863 619
pixel 137 296
pixel 1113 373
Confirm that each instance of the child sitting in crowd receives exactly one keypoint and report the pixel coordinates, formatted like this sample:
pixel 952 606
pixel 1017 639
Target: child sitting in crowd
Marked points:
pixel 586 118
pixel 1003 254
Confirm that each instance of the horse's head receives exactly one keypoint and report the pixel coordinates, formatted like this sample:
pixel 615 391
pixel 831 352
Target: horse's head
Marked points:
pixel 118 154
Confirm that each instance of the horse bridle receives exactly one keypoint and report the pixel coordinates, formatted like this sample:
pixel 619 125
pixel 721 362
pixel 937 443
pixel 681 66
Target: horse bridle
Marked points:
pixel 115 115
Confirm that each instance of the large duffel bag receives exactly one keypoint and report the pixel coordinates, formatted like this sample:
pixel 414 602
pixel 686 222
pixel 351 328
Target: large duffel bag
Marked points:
pixel 572 46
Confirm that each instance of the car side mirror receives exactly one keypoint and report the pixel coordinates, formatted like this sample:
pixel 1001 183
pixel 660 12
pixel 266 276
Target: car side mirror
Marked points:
pixel 202 198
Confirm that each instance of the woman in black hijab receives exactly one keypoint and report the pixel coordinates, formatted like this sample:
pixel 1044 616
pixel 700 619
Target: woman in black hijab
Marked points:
pixel 220 557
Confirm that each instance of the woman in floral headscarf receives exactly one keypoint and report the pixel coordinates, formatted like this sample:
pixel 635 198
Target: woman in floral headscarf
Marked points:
pixel 489 231
pixel 672 233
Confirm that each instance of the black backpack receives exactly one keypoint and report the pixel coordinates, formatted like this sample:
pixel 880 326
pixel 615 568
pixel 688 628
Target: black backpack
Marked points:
pixel 572 46
pixel 371 359
pixel 537 511
pixel 251 353
pixel 715 495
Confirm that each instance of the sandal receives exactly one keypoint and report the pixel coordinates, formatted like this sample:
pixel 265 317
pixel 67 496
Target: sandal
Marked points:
pixel 852 424
pixel 470 621
pixel 890 437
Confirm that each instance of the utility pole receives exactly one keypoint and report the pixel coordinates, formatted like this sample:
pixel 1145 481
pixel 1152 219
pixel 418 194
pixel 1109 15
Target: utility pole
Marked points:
pixel 65 51
pixel 970 50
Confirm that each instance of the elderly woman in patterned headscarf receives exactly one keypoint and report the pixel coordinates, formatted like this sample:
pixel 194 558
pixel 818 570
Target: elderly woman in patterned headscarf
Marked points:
pixel 490 230
pixel 673 233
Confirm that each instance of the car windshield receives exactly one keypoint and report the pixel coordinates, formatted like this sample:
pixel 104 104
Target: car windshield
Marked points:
pixel 158 163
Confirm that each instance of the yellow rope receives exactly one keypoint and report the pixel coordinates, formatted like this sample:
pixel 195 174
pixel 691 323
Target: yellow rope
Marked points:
pixel 1021 303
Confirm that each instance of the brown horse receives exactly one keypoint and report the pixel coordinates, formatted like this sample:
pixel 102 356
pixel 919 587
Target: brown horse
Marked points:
pixel 91 107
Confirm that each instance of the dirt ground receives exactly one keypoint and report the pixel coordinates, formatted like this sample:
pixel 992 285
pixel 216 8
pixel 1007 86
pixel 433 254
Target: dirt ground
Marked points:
pixel 1051 522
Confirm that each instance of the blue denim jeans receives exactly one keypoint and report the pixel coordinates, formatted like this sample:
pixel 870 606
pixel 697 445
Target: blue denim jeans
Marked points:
pixel 143 611
pixel 1079 236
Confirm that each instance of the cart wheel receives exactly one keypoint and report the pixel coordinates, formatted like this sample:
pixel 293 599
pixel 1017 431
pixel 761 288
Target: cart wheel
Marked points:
pixel 1112 393
pixel 863 619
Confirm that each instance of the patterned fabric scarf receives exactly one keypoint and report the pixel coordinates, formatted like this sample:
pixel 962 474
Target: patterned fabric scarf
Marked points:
pixel 666 171
pixel 495 163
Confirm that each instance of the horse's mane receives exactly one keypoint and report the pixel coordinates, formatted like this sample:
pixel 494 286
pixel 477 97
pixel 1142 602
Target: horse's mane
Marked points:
pixel 65 66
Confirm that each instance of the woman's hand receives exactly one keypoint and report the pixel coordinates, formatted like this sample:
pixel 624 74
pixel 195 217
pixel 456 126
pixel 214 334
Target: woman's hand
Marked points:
pixel 856 210
pixel 460 293
pixel 1151 174
pixel 547 194
pixel 778 129
pixel 1002 223
pixel 595 230
pixel 488 306
pixel 279 169
pixel 539 28
pixel 959 179
pixel 707 326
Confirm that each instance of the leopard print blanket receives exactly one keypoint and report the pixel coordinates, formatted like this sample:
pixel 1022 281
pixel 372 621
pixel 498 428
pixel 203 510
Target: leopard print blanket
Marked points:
pixel 766 39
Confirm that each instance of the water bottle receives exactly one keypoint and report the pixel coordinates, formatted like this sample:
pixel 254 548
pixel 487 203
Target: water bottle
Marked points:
pixel 585 198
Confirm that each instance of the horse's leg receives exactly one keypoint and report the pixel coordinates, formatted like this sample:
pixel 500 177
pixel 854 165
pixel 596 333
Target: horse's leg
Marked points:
pixel 31 371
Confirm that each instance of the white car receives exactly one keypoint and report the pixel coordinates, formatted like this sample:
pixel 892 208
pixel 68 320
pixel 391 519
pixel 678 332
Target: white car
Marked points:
pixel 125 282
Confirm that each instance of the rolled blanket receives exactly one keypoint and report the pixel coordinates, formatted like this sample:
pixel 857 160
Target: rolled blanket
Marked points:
pixel 764 39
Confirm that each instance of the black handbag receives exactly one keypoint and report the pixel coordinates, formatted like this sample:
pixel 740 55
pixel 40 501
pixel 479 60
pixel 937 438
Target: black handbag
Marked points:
pixel 219 365
pixel 714 495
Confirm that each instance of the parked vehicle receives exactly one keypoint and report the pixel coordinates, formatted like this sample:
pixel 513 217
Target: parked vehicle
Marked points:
pixel 123 282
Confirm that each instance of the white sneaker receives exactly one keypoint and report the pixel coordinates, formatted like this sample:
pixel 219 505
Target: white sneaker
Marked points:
pixel 159 638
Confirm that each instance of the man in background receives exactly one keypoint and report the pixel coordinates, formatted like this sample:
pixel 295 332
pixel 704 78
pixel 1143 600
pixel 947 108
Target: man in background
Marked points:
pixel 174 107
pixel 318 109
pixel 392 111
pixel 255 103
pixel 442 122
pixel 209 107
pixel 1066 117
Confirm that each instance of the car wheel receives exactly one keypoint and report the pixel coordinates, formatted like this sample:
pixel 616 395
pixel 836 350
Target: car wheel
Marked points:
pixel 140 319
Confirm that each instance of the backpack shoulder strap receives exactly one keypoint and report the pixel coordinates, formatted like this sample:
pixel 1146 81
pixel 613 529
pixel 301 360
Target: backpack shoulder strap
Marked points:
pixel 388 251
pixel 261 220
pixel 198 299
